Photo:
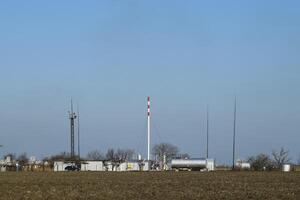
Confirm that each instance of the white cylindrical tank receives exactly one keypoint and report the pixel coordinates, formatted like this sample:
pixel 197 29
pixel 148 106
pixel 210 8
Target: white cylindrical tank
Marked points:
pixel 286 168
pixel 188 163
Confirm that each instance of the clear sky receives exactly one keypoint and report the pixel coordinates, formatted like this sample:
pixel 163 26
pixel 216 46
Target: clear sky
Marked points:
pixel 110 55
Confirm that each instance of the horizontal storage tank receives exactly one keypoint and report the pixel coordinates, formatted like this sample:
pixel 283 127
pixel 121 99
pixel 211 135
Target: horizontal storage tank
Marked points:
pixel 242 165
pixel 188 163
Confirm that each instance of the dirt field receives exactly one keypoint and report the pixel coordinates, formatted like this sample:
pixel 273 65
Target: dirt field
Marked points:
pixel 154 185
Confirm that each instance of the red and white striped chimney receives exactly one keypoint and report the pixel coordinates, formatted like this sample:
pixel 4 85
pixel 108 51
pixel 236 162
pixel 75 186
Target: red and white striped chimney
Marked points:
pixel 148 106
pixel 149 133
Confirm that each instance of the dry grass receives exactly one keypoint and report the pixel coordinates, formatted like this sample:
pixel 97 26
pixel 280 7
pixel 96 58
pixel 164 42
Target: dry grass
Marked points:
pixel 154 185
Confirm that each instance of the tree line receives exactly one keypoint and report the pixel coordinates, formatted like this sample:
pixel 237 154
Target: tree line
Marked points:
pixel 275 161
pixel 162 152
pixel 115 156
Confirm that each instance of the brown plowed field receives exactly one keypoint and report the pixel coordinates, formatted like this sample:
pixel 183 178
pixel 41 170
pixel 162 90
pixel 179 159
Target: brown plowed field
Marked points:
pixel 150 185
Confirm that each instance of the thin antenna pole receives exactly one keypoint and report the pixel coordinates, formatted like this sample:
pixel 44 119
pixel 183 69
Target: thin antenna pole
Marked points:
pixel 71 105
pixel 207 131
pixel 72 130
pixel 78 132
pixel 72 117
pixel 234 133
pixel 149 129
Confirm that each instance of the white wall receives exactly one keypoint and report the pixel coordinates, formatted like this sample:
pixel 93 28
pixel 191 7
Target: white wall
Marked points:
pixel 92 166
pixel 60 166
pixel 210 164
pixel 129 166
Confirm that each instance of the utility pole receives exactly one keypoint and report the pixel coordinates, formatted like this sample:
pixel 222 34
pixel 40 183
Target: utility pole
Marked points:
pixel 72 117
pixel 234 133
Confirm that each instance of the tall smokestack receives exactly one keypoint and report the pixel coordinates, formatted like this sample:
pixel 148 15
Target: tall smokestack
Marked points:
pixel 149 136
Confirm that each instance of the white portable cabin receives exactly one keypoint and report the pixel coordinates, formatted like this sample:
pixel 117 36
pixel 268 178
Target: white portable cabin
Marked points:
pixel 92 166
pixel 59 166
pixel 110 167
pixel 129 166
pixel 286 168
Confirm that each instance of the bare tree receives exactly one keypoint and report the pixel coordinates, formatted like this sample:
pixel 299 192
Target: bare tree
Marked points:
pixel 165 149
pixel 23 159
pixel 120 155
pixel 125 154
pixel 11 155
pixel 63 156
pixel 116 157
pixel 110 154
pixel 95 155
pixel 281 157
pixel 183 156
pixel 261 162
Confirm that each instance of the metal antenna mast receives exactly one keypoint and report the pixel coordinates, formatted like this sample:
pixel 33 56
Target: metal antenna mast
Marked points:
pixel 207 131
pixel 234 132
pixel 72 117
pixel 78 132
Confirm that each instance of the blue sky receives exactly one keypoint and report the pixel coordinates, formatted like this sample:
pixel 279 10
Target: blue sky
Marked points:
pixel 110 55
